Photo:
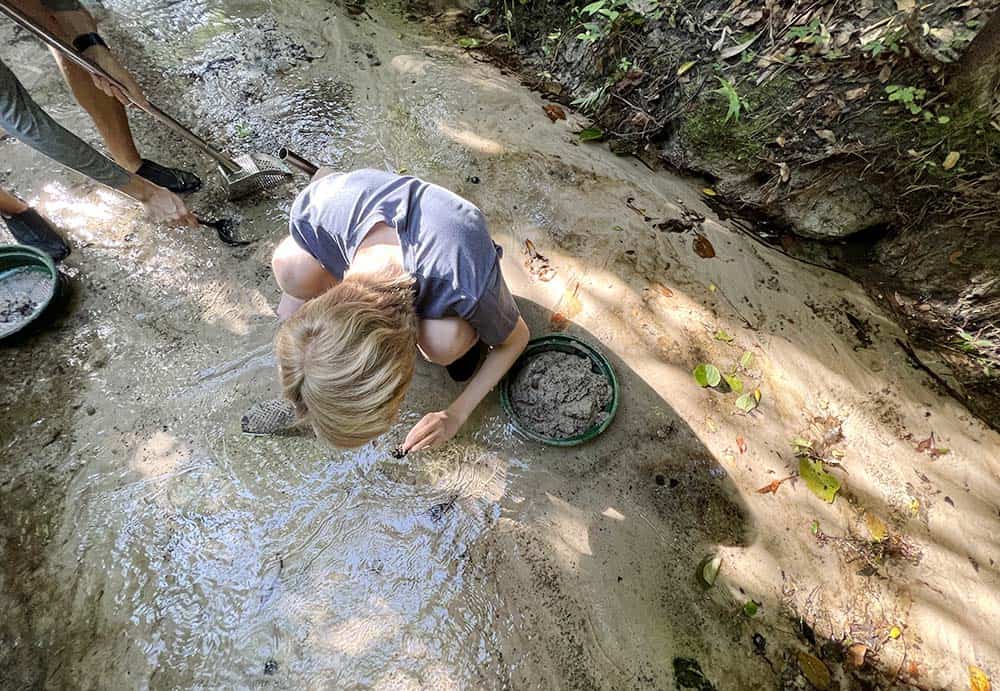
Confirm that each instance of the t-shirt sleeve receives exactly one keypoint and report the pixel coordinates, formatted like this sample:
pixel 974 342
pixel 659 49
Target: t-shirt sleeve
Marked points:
pixel 319 245
pixel 494 315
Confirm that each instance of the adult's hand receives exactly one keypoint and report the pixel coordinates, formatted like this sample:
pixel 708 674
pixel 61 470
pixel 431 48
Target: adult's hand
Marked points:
pixel 162 205
pixel 104 58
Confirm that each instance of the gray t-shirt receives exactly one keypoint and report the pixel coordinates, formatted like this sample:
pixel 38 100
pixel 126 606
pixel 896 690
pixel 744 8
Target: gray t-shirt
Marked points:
pixel 445 244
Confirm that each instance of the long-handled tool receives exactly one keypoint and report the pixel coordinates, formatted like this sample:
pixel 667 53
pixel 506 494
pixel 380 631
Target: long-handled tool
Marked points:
pixel 244 175
pixel 294 160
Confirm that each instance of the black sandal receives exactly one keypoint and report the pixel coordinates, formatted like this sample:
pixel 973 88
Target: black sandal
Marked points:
pixel 174 179
pixel 31 228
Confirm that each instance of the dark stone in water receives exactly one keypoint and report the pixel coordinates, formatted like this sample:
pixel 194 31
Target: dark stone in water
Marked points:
pixel 398 452
pixel 688 675
pixel 271 666
pixel 660 480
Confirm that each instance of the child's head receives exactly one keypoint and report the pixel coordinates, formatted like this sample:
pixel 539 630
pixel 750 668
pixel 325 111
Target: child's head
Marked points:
pixel 346 357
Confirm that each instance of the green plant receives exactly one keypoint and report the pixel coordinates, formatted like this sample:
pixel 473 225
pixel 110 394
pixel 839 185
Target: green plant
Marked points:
pixel 591 101
pixel 243 130
pixel 907 96
pixel 807 33
pixel 974 343
pixel 735 102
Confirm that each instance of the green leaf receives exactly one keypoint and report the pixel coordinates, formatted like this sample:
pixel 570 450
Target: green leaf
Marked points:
pixel 943 119
pixel 750 608
pixel 721 335
pixel 801 444
pixel 746 360
pixel 591 134
pixel 735 383
pixel 709 569
pixel 821 483
pixel 728 90
pixel 468 42
pixel 814 527
pixel 746 402
pixel 593 7
pixel 707 375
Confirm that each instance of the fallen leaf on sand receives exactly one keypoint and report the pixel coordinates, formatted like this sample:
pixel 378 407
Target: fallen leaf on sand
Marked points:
pixel 709 570
pixel 707 375
pixel 662 290
pixel 537 263
pixel 814 670
pixel 951 160
pixel 818 480
pixel 554 112
pixel 895 632
pixel 702 247
pixel 953 257
pixel 856 655
pixel 558 322
pixel 876 528
pixel 741 444
pixel 927 443
pixel 709 192
pixel 773 485
pixel 978 681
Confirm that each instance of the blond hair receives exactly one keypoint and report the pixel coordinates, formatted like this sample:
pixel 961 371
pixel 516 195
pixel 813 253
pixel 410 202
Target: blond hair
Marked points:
pixel 346 358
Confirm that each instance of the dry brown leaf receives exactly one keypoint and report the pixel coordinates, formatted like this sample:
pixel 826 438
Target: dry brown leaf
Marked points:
pixel 663 290
pixel 702 247
pixel 884 74
pixel 773 485
pixel 856 655
pixel 558 322
pixel 855 94
pixel 554 112
pixel 814 670
pixel 978 680
pixel 951 160
pixel 905 5
pixel 741 443
pixel 784 172
pixel 827 135
pixel 926 444
pixel 780 141
pixel 953 257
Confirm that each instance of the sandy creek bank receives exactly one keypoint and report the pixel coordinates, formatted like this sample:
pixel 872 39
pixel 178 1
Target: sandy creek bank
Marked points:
pixel 148 544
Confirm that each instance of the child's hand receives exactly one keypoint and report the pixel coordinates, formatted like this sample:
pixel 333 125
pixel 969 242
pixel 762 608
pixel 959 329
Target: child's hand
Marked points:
pixel 433 430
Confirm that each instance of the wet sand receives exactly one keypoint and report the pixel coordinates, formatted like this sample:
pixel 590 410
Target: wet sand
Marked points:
pixel 148 543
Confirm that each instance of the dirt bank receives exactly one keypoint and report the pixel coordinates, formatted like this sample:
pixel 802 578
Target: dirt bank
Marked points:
pixel 828 128
pixel 147 542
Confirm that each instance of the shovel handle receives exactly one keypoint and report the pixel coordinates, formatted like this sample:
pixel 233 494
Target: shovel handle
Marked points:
pixel 58 44
pixel 296 161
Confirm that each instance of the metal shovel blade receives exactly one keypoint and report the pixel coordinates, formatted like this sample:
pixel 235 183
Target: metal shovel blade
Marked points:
pixel 257 172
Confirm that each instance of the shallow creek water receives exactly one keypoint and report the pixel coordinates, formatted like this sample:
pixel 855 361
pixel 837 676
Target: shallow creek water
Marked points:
pixel 148 544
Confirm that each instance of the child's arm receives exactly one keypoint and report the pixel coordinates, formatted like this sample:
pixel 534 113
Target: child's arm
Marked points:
pixel 437 428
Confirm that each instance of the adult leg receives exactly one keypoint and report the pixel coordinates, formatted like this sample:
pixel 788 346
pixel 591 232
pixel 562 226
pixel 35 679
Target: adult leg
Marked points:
pixel 111 120
pixel 107 113
pixel 10 205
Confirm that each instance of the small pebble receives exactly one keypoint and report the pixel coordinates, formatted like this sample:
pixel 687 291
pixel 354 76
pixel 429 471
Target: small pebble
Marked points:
pixel 473 179
pixel 660 480
pixel 270 667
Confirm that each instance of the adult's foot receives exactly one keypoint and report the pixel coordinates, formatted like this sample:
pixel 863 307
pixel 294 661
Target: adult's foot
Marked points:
pixel 174 179
pixel 31 228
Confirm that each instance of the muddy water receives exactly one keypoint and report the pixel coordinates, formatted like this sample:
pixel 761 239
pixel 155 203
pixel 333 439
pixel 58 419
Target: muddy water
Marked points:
pixel 148 544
